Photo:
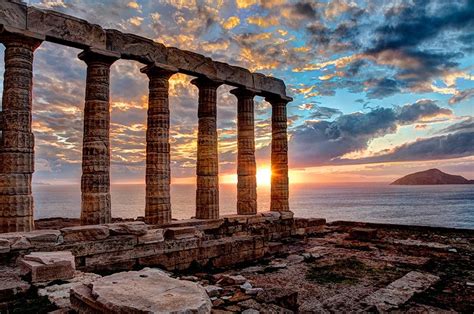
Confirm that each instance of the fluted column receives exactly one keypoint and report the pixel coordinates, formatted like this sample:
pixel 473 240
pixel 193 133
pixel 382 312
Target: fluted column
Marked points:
pixel 207 168
pixel 17 139
pixel 246 166
pixel 95 181
pixel 279 189
pixel 158 175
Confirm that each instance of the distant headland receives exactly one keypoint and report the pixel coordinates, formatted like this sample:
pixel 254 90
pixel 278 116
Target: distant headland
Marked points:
pixel 431 177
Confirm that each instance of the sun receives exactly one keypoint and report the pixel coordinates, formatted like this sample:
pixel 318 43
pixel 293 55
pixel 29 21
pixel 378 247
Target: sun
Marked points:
pixel 264 176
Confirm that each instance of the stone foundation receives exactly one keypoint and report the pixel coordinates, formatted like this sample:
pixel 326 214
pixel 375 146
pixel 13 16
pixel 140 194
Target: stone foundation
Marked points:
pixel 217 243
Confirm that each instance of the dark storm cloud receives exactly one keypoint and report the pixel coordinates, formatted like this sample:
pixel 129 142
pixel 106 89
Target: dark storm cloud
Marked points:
pixel 321 142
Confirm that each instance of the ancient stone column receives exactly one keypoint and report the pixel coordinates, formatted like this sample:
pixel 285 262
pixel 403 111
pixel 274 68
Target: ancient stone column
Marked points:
pixel 95 181
pixel 158 175
pixel 246 166
pixel 17 139
pixel 279 188
pixel 207 168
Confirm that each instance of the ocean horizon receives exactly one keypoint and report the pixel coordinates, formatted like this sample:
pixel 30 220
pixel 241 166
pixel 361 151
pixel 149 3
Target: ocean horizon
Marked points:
pixel 435 205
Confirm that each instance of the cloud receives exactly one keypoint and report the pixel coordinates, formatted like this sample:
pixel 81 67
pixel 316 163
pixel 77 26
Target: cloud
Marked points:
pixel 323 142
pixel 449 146
pixel 460 96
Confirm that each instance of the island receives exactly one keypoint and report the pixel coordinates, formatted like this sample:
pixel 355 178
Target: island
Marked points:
pixel 431 177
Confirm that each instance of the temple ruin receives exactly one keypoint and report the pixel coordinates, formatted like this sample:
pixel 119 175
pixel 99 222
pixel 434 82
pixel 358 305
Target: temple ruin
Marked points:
pixel 24 28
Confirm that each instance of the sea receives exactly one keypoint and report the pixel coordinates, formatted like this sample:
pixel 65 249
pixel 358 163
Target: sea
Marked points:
pixel 438 205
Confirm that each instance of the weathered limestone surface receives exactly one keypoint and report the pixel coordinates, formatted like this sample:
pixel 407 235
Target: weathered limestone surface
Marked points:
pixel 400 291
pixel 246 165
pixel 59 294
pixel 49 266
pixel 17 139
pixel 85 233
pixel 65 29
pixel 145 291
pixel 95 181
pixel 280 184
pixel 207 167
pixel 158 173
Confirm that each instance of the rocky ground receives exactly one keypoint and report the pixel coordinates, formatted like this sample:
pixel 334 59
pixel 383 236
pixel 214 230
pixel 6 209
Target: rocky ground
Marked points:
pixel 344 271
pixel 346 268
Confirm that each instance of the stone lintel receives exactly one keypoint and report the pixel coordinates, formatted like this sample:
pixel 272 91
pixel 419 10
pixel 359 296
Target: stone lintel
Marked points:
pixel 94 54
pixel 71 31
pixel 12 33
pixel 65 29
pixel 159 69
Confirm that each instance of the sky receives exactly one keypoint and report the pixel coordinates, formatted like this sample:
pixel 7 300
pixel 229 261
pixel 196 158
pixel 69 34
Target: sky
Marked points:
pixel 381 88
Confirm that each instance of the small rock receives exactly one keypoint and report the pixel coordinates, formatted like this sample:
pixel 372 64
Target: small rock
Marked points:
pixel 190 278
pixel 295 259
pixel 453 250
pixel 253 291
pixel 470 284
pixel 239 297
pixel 218 302
pixel 247 285
pixel 232 280
pixel 213 291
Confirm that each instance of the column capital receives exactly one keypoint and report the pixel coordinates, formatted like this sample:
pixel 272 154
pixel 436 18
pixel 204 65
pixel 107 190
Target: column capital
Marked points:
pixel 201 82
pixel 100 55
pixel 244 92
pixel 159 70
pixel 278 100
pixel 12 36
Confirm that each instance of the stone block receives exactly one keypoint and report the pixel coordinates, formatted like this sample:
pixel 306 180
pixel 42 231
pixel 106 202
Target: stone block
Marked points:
pixel 286 215
pixel 136 48
pixel 49 266
pixel 66 29
pixel 113 244
pixel 143 294
pixel 178 233
pixel 85 233
pixel 363 234
pixel 152 236
pixel 400 291
pixel 138 228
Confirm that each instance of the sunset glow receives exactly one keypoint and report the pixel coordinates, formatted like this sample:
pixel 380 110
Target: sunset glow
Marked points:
pixel 264 176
